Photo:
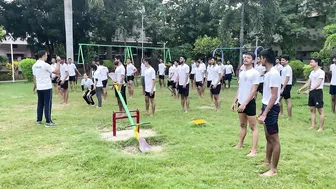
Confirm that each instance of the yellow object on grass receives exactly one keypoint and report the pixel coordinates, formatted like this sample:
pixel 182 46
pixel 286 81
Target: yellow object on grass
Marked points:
pixel 199 122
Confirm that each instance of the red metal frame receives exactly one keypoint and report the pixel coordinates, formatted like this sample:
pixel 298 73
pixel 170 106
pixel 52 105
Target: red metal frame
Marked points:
pixel 115 118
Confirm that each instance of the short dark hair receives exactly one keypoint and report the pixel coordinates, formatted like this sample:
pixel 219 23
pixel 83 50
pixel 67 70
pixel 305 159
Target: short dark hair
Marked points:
pixel 333 57
pixel 101 62
pixel 251 54
pixel 148 61
pixel 319 62
pixel 119 57
pixel 96 59
pixel 269 55
pixel 213 58
pixel 286 57
pixel 94 67
pixel 41 53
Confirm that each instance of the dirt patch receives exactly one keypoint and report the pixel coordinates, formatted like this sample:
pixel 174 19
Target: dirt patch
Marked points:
pixel 132 150
pixel 127 134
pixel 206 108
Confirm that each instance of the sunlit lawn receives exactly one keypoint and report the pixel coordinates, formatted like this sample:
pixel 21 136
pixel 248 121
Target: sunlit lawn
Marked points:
pixel 73 155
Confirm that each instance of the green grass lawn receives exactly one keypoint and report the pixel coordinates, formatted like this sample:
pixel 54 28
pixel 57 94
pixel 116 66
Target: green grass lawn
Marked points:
pixel 73 155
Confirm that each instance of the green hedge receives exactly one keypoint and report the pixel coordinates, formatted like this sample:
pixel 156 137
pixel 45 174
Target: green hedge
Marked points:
pixel 297 67
pixel 26 67
pixel 306 71
pixel 109 64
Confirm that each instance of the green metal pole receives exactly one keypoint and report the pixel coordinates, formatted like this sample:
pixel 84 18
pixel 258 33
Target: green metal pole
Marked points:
pixel 78 59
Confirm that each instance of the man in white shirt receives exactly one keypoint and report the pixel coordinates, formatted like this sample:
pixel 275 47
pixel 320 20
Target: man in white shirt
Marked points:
pixel 286 85
pixel 161 73
pixel 270 111
pixel 103 70
pixel 209 72
pixel 64 81
pixel 72 74
pixel 173 78
pixel 143 69
pixel 192 73
pixel 315 99
pixel 248 86
pixel 332 90
pixel 150 87
pixel 121 74
pixel 228 74
pixel 170 83
pixel 261 69
pixel 98 85
pixel 199 78
pixel 54 77
pixel 42 82
pixel 89 85
pixel 215 87
pixel 130 72
pixel 278 65
pixel 182 81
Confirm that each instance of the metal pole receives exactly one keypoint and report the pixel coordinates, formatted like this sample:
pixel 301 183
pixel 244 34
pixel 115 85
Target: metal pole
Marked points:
pixel 241 34
pixel 12 58
pixel 164 52
pixel 142 36
pixel 257 39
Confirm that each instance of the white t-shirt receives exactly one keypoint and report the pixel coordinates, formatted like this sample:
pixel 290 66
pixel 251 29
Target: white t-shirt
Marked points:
pixel 242 68
pixel 216 70
pixel 261 69
pixel 63 69
pixel 210 72
pixel 97 76
pixel 182 71
pixel 315 76
pixel 247 78
pixel 172 73
pixel 149 77
pixel 333 74
pixel 130 69
pixel 228 69
pixel 143 69
pixel 103 72
pixel 199 74
pixel 119 72
pixel 279 67
pixel 87 83
pixel 272 79
pixel 287 72
pixel 72 68
pixel 203 66
pixel 54 66
pixel 193 67
pixel 162 69
pixel 42 72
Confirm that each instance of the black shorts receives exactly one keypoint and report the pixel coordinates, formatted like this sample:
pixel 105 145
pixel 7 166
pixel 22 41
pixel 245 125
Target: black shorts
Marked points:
pixel 215 91
pixel 315 98
pixel 123 93
pixel 332 90
pixel 65 85
pixel 192 76
pixel 199 84
pixel 104 83
pixel 55 80
pixel 271 120
pixel 287 92
pixel 183 91
pixel 173 84
pixel 251 108
pixel 161 76
pixel 72 78
pixel 228 77
pixel 261 88
pixel 150 96
pixel 208 84
pixel 130 78
pixel 143 82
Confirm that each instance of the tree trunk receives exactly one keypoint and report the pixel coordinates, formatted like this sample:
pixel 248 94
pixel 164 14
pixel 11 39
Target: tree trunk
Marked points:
pixel 68 28
pixel 241 38
pixel 109 49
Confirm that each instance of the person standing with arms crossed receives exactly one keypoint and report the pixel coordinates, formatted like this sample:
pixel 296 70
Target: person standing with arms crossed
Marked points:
pixel 42 82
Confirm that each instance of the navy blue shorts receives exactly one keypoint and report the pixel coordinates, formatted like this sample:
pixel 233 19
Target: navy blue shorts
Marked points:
pixel 332 90
pixel 228 77
pixel 271 120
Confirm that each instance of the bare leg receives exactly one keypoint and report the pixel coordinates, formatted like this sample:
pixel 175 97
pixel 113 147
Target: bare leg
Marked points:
pixel 313 117
pixel 253 125
pixel 104 93
pixel 289 108
pixel 187 104
pixel 243 130
pixel 333 104
pixel 269 148
pixel 276 155
pixel 147 104
pixel 229 82
pixel 152 101
pixel 217 101
pixel 182 103
pixel 321 112
pixel 281 107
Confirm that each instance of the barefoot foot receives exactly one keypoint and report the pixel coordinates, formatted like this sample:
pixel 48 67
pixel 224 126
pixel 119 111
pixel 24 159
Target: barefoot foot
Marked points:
pixel 238 146
pixel 269 173
pixel 320 130
pixel 252 154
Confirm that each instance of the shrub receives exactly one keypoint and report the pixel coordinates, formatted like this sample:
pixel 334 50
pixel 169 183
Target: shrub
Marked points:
pixel 26 67
pixel 297 67
pixel 4 76
pixel 109 64
pixel 9 67
pixel 306 71
pixel 3 59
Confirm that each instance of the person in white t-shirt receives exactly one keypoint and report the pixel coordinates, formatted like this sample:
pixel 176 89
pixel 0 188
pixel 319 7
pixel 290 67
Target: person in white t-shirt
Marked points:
pixel 130 72
pixel 89 86
pixel 209 72
pixel 278 65
pixel 143 69
pixel 103 71
pixel 64 81
pixel 216 85
pixel 54 77
pixel 170 82
pixel 42 83
pixel 203 66
pixel 182 81
pixel 247 89
pixel 98 85
pixel 261 69
pixel 228 74
pixel 270 111
pixel 192 73
pixel 150 78
pixel 286 85
pixel 332 89
pixel 173 78
pixel 120 71
pixel 199 78
pixel 72 74
pixel 161 73
pixel 315 91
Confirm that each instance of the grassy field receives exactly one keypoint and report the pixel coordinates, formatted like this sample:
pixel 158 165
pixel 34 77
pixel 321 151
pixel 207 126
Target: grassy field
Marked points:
pixel 73 155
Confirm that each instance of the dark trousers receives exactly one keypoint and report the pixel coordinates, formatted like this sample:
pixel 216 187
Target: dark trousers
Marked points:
pixel 99 91
pixel 44 102
pixel 88 97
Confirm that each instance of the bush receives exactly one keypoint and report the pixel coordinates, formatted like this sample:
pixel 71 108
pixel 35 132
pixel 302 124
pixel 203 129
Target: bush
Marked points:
pixel 3 59
pixel 9 67
pixel 109 64
pixel 26 67
pixel 306 71
pixel 4 76
pixel 297 67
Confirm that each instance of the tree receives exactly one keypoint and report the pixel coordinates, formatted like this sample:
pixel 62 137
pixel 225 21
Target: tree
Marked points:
pixel 204 46
pixel 2 35
pixel 68 21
